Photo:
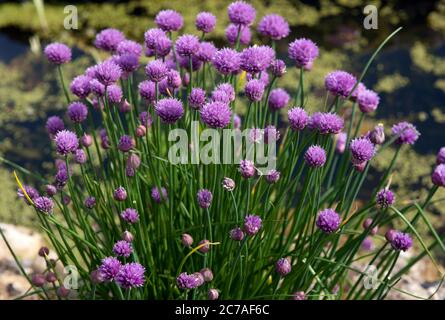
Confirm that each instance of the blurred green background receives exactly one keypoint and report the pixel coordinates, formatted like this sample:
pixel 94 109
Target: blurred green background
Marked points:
pixel 409 74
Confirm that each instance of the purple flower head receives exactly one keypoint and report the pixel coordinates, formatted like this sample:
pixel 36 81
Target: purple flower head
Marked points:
pixel 169 110
pixel 228 184
pixel 232 34
pixel 273 176
pixel 54 124
pixel 109 268
pixel 390 235
pixel 156 195
pixel 368 244
pixel 236 234
pixel 169 20
pixel 274 26
pixel 77 112
pixel 226 61
pixel 440 158
pixel 30 191
pixel 213 294
pixel 122 249
pixel 340 145
pixel 86 140
pixel 252 224
pixel 271 134
pixel 264 78
pixel 407 133
pixel 152 37
pixel 204 198
pixel 130 215
pixel 247 169
pixel 184 62
pixel 205 22
pixel 90 202
pixel 97 88
pixel 186 240
pixel 44 204
pixel 257 58
pixel 109 39
pixel 187 45
pixel 241 13
pixel 236 121
pixel 58 53
pixel 328 221
pixel 131 275
pixel 303 52
pixel 438 175
pixel 80 86
pixel 377 136
pixel 197 98
pixel 174 79
pixel 96 277
pixel 128 62
pixel 80 156
pixel 298 118
pixel 254 90
pixel 120 194
pixel 220 96
pixel 359 89
pixel 38 280
pixel 401 241
pixel 108 72
pixel 126 143
pixel 326 123
pixel 133 162
pixel 278 68
pixel 216 114
pixel 362 150
pixel 124 106
pixel 156 70
pixel 50 190
pixel 228 89
pixel 339 83
pixel 368 100
pixel 367 223
pixel 315 156
pixel 206 51
pixel 283 266
pixel 129 47
pixel 187 281
pixel 66 142
pixel 255 135
pixel 104 139
pixel 147 90
pixel 299 295
pixel 385 198
pixel 278 99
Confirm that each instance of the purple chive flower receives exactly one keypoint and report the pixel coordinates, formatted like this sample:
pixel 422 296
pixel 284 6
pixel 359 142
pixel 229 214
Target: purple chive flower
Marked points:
pixel 390 235
pixel 298 118
pixel 252 224
pixel 271 134
pixel 77 112
pixel 80 156
pixel 156 70
pixel 241 13
pixel 131 275
pixel 66 142
pixel 377 136
pixel 204 198
pixel 360 88
pixel 156 196
pixel 122 249
pixel 368 100
pixel 163 47
pixel 228 89
pixel 44 204
pixel 186 281
pixel 440 158
pixel 368 244
pixel 114 93
pixel 236 234
pixel 187 45
pixel 169 20
pixel 220 96
pixel 174 79
pixel 339 83
pixel 124 106
pixel 80 86
pixel 236 121
pixel 232 34
pixel 206 51
pixel 362 150
pixel 326 123
pixel 38 280
pixel 438 175
pixel 129 47
pixel 254 90
pixel 340 145
pixel 54 124
pixel 273 176
pixel 315 156
pixel 299 295
pixel 278 99
pixel 86 140
pixel 130 215
pixel 401 241
pixel 328 221
pixel 90 202
pixel 228 184
pixel 97 88
pixel 283 266
pixel 303 52
pixel 58 53
pixel 184 63
pixel 186 240
pixel 50 190
pixel 385 198
pixel 255 135
pixel 128 63
pixel 147 90
pixel 104 139
pixel 96 277
pixel 407 133
pixel 205 22
pixel 109 39
pixel 367 223
pixel 197 98
pixel 216 114
pixel 206 247
pixel 108 72
pixel 213 294
pixel 169 110
pixel 226 61
pixel 264 78
pixel 126 143
pixel 278 68
pixel 273 26
pixel 109 268
pixel 30 191
pixel 257 58
pixel 132 164
pixel 247 169
pixel 152 37
pixel 120 194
